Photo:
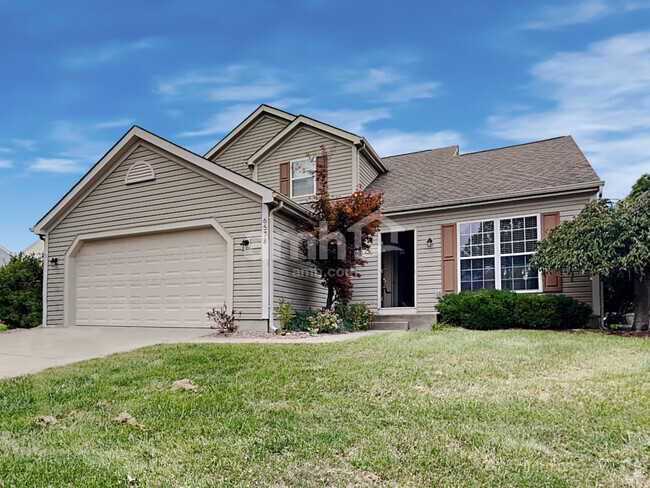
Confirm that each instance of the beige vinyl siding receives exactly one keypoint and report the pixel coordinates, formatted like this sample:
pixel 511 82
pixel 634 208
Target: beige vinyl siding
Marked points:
pixel 306 141
pixel 235 155
pixel 429 260
pixel 177 194
pixel 293 278
pixel 367 173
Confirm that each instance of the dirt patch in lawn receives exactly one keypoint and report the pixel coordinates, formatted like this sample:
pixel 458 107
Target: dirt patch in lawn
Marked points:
pixel 288 336
pixel 643 334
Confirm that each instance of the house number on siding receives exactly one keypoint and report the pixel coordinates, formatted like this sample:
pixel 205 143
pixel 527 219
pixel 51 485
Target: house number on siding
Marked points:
pixel 265 230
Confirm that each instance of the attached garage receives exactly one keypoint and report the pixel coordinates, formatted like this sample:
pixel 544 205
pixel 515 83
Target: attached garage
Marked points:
pixel 167 279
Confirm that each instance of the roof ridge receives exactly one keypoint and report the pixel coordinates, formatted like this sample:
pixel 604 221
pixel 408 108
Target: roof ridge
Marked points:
pixel 516 145
pixel 329 125
pixel 421 151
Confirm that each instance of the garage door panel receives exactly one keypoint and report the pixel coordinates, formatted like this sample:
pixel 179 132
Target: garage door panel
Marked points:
pixel 168 279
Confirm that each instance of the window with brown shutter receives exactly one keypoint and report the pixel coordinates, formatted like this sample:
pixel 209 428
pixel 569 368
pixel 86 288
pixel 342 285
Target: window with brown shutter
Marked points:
pixel 552 281
pixel 321 174
pixel 449 247
pixel 284 179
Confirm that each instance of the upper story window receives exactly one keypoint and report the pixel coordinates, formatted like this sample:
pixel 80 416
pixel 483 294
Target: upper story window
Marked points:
pixel 303 177
pixel 497 253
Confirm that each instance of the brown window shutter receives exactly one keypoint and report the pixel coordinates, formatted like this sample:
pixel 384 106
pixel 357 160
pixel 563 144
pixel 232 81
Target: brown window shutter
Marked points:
pixel 321 174
pixel 552 281
pixel 284 179
pixel 449 268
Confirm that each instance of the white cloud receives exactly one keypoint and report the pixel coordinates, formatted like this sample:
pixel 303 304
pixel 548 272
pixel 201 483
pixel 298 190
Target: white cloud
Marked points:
pixel 57 165
pixel 73 147
pixel 387 85
pixel 114 123
pixel 182 84
pixel 551 16
pixel 374 79
pixel 392 142
pixel 350 120
pixel 5 163
pixel 93 56
pixel 413 91
pixel 25 144
pixel 5 150
pixel 554 16
pixel 235 83
pixel 601 96
pixel 223 122
pixel 78 142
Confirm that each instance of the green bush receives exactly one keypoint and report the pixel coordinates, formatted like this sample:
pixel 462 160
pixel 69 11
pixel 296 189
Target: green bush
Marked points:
pixel 502 309
pixel 575 314
pixel 356 316
pixel 21 292
pixel 284 313
pixel 325 321
pixel 439 326
pixel 301 322
pixel 534 311
pixel 481 309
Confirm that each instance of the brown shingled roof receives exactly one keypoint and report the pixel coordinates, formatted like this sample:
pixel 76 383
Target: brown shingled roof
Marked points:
pixel 442 175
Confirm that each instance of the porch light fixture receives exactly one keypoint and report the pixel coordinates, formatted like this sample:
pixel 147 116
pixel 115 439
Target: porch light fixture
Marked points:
pixel 54 261
pixel 429 242
pixel 244 244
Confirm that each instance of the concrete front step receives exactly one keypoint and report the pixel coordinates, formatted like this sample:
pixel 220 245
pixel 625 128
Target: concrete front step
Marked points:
pixel 419 321
pixel 389 325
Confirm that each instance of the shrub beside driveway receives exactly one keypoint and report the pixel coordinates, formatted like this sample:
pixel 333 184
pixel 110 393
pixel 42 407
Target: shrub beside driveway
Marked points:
pixel 447 408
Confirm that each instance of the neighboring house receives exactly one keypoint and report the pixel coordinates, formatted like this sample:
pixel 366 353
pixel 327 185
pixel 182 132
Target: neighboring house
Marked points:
pixel 5 256
pixel 35 249
pixel 155 235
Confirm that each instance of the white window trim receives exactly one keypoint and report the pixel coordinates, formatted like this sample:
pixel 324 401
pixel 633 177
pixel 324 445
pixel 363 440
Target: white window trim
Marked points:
pixel 313 160
pixel 497 250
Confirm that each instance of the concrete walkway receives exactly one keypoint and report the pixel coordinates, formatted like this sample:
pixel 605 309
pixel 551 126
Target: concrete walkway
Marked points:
pixel 33 350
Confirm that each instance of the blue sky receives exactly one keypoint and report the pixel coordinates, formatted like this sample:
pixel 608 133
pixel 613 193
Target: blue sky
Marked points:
pixel 406 75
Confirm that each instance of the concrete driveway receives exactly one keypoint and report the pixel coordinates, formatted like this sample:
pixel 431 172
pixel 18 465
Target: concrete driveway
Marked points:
pixel 29 351
pixel 32 350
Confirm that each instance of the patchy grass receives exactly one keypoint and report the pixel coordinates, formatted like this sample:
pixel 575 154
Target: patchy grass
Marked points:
pixel 448 408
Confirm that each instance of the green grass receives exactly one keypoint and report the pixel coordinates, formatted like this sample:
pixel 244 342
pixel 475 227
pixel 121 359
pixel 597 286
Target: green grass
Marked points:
pixel 448 408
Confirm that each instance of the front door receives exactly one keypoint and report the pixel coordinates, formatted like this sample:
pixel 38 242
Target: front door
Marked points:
pixel 398 269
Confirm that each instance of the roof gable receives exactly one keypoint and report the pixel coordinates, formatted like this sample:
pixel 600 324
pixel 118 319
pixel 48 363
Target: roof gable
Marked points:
pixel 303 121
pixel 132 139
pixel 245 125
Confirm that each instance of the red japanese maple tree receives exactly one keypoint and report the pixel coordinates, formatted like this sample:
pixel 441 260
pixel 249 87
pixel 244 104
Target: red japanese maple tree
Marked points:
pixel 340 231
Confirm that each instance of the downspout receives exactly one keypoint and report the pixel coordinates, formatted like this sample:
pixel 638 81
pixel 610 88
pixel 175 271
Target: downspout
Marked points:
pixel 44 287
pixel 272 328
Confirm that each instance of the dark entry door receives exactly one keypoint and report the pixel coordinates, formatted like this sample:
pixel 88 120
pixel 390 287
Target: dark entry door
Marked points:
pixel 398 269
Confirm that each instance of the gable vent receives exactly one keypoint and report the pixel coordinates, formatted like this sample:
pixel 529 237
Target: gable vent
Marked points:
pixel 138 172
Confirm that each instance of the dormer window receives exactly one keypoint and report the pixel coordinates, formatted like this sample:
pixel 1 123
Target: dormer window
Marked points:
pixel 303 177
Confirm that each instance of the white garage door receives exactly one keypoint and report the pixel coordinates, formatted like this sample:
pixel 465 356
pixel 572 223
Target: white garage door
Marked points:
pixel 170 279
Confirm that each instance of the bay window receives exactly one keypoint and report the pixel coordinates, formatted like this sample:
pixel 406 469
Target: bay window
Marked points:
pixel 496 254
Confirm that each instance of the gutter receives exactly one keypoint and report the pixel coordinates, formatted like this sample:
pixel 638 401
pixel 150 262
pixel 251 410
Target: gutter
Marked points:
pixel 373 157
pixel 280 206
pixel 292 206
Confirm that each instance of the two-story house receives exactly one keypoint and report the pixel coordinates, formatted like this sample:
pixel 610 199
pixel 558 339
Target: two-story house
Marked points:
pixel 155 235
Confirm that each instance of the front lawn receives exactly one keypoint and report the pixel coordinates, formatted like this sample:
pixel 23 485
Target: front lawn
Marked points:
pixel 450 408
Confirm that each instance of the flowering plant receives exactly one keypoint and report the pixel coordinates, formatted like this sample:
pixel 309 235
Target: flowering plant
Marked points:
pixel 326 321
